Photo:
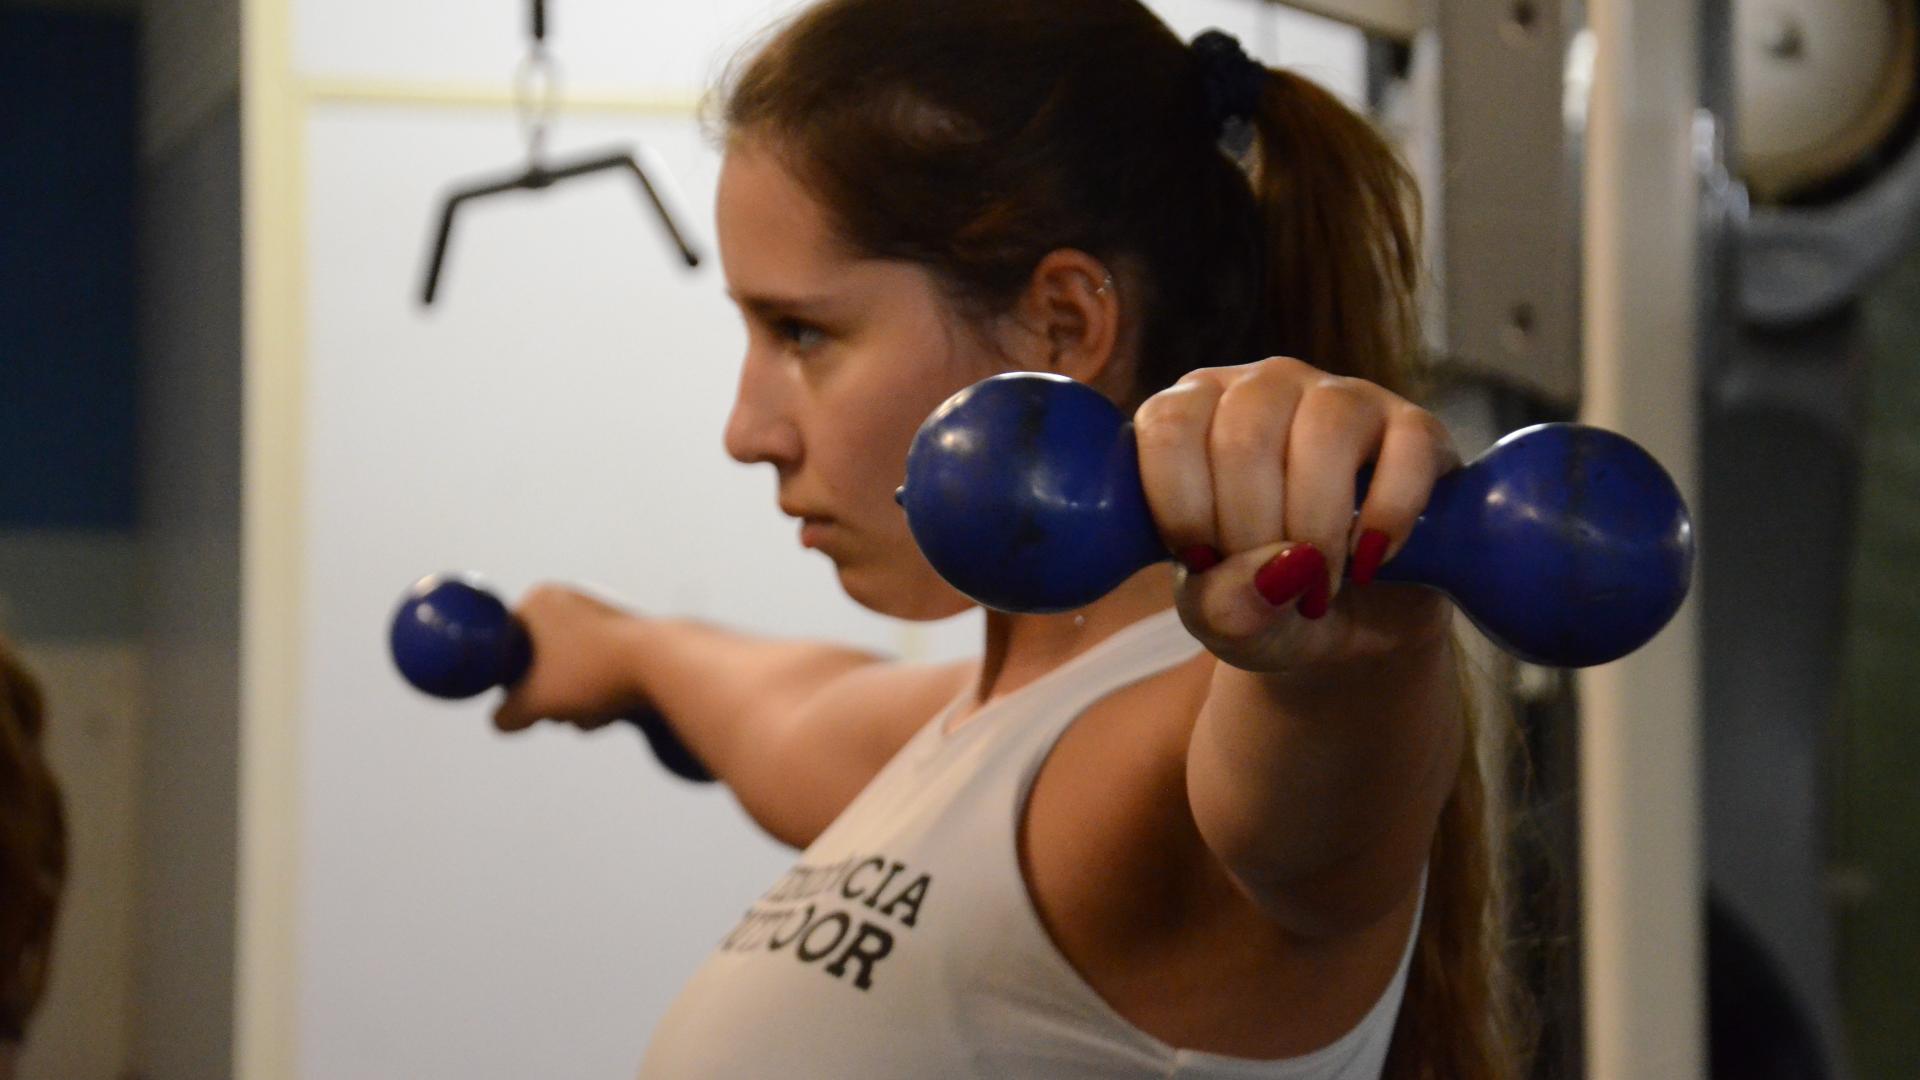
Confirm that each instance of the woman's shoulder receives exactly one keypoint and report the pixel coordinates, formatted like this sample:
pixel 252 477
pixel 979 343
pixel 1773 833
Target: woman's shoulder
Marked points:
pixel 1130 894
pixel 1108 808
pixel 885 704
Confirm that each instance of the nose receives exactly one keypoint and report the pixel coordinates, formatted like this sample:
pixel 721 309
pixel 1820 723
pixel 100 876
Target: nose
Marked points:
pixel 761 428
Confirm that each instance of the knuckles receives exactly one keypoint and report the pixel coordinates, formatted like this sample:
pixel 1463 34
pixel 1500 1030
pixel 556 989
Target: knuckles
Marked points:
pixel 1337 402
pixel 1242 432
pixel 541 595
pixel 1168 418
pixel 1433 428
pixel 554 599
pixel 1245 410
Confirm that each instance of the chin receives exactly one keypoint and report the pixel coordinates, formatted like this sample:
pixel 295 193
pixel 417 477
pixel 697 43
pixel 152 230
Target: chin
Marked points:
pixel 916 597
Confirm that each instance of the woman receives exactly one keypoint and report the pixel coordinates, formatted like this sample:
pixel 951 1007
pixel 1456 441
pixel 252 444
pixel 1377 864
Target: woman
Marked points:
pixel 1221 822
pixel 33 856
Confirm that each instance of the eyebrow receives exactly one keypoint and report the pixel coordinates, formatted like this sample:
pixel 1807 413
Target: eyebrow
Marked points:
pixel 796 305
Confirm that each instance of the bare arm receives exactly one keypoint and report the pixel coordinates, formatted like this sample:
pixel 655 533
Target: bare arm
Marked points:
pixel 1331 735
pixel 794 728
pixel 1319 788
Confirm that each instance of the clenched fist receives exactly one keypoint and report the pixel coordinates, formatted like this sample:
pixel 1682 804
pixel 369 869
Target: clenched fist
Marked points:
pixel 582 670
pixel 1250 473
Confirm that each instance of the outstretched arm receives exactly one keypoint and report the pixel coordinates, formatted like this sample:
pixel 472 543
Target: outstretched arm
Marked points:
pixel 794 728
pixel 1332 731
pixel 1319 789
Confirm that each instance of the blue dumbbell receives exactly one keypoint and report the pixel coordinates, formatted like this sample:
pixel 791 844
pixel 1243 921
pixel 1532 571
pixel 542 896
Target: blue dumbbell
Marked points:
pixel 1566 544
pixel 454 639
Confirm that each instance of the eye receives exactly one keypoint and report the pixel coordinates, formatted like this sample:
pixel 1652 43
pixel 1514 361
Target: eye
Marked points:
pixel 802 336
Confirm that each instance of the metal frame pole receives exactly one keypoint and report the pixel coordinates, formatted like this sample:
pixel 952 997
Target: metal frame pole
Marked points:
pixel 1640 728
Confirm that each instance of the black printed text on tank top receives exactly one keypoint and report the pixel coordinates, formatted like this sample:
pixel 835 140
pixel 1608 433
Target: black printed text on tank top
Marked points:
pixel 842 918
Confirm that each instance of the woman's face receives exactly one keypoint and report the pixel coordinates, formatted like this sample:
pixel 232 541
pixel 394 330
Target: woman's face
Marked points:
pixel 845 357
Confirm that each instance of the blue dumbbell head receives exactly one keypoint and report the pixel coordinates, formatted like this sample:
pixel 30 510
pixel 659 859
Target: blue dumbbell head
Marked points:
pixel 1023 493
pixel 453 639
pixel 1568 545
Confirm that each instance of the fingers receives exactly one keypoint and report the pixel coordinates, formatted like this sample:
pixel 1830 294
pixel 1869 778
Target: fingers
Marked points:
pixel 1266 456
pixel 579 673
pixel 1338 429
pixel 1245 595
pixel 1415 451
pixel 1247 446
pixel 1240 609
pixel 513 715
pixel 516 713
pixel 1171 431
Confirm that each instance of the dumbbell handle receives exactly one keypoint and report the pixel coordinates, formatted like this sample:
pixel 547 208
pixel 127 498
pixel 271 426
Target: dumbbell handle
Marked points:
pixel 454 639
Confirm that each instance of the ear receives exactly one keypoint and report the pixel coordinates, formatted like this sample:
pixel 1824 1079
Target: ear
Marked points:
pixel 1070 315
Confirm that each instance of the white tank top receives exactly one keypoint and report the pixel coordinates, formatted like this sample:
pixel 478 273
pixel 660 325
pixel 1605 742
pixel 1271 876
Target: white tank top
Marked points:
pixel 904 942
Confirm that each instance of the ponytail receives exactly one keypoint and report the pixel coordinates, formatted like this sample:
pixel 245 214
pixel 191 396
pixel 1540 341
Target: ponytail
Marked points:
pixel 1462 1017
pixel 1342 219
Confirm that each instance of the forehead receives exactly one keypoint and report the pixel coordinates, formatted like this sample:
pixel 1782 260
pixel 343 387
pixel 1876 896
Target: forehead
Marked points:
pixel 769 226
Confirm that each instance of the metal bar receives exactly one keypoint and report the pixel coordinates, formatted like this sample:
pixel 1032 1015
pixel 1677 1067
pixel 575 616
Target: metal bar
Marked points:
pixel 272 530
pixel 315 91
pixel 1640 730
pixel 1509 197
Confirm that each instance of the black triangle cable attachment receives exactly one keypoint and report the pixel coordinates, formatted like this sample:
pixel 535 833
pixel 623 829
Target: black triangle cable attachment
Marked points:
pixel 536 104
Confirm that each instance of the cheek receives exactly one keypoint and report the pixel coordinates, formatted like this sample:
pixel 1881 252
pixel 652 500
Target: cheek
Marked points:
pixel 876 429
pixel 908 371
pixel 869 435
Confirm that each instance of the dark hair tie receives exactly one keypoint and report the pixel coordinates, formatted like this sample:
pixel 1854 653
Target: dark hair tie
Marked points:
pixel 1233 83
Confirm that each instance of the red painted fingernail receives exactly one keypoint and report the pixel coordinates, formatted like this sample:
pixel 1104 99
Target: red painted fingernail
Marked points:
pixel 1290 574
pixel 1319 596
pixel 1200 558
pixel 1368 554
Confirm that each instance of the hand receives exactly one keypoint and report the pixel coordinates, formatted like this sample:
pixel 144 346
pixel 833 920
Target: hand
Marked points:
pixel 582 669
pixel 1250 474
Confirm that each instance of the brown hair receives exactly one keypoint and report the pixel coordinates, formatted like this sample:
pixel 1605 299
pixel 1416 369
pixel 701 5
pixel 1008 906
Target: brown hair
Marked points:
pixel 973 137
pixel 33 849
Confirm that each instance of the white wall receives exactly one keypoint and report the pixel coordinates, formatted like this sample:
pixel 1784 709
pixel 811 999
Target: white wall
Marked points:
pixel 666 48
pixel 471 905
pixel 476 905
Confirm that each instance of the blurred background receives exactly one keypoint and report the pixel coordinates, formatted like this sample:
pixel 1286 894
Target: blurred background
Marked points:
pixel 231 433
